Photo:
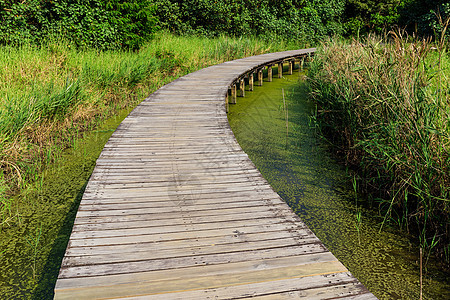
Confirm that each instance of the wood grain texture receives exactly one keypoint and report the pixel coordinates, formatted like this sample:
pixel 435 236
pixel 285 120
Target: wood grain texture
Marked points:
pixel 176 210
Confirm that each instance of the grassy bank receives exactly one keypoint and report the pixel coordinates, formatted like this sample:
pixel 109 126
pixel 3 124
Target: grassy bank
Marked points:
pixel 385 105
pixel 50 97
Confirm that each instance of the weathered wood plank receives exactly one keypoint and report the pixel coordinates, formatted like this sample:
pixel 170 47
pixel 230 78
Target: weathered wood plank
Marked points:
pixel 187 235
pixel 217 281
pixel 77 234
pixel 258 289
pixel 161 246
pixel 192 252
pixel 136 266
pixel 244 267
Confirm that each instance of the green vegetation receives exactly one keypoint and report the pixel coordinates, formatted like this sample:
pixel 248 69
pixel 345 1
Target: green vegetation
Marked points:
pixel 305 20
pixel 109 24
pixel 113 24
pixel 385 105
pixel 301 20
pixel 418 16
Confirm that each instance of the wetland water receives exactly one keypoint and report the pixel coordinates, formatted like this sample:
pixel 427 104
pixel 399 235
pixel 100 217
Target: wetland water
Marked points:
pixel 301 170
pixel 46 214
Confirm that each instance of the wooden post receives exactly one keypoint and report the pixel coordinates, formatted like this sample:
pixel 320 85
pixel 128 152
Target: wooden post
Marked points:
pixel 280 70
pixel 260 77
pixel 302 61
pixel 269 73
pixel 226 102
pixel 291 66
pixel 250 82
pixel 233 94
pixel 242 88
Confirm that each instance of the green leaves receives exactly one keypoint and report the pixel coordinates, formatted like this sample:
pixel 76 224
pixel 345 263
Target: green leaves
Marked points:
pixel 88 23
pixel 272 20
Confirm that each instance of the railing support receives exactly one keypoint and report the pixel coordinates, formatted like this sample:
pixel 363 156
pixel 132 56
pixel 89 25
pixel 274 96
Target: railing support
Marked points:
pixel 260 77
pixel 242 88
pixel 280 70
pixel 233 94
pixel 226 102
pixel 250 82
pixel 269 73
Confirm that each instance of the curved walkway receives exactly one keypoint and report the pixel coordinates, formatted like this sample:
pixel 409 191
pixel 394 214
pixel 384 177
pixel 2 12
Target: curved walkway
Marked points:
pixel 176 210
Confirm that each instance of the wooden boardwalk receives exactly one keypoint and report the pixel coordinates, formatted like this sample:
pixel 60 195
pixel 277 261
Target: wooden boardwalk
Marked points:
pixel 176 210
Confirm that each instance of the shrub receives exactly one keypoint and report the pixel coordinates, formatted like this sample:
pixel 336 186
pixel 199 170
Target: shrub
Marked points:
pixel 101 24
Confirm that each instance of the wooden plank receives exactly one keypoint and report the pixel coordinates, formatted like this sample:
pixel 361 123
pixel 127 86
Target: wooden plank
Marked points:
pixel 161 246
pixel 137 265
pixel 258 289
pixel 278 210
pixel 169 205
pixel 187 226
pixel 237 232
pixel 207 271
pixel 327 292
pixel 203 282
pixel 180 211
pixel 161 222
pixel 184 252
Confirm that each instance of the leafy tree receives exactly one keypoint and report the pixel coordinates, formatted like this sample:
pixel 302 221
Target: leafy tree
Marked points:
pixel 371 15
pixel 420 15
pixel 266 18
pixel 94 23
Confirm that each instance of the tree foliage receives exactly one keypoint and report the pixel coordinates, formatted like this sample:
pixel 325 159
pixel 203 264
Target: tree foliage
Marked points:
pixel 109 24
pixel 418 16
pixel 266 18
pixel 94 23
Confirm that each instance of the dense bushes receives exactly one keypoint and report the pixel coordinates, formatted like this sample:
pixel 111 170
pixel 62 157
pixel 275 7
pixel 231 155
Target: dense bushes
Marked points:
pixel 94 23
pixel 307 20
pixel 301 20
pixel 111 24
pixel 417 16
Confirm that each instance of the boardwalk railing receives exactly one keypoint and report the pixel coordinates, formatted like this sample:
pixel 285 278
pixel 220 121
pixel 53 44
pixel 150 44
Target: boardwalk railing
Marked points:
pixel 176 210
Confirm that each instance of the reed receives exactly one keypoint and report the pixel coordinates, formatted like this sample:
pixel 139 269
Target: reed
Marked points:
pixel 384 102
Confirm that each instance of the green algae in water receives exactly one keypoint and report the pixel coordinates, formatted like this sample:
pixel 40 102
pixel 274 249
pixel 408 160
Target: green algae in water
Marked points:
pixel 300 169
pixel 50 209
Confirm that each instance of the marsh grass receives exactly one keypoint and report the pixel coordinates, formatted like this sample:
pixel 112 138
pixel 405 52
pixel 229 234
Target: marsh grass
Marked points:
pixel 51 94
pixel 385 104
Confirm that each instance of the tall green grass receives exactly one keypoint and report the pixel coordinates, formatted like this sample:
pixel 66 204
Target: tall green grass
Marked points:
pixel 385 104
pixel 51 94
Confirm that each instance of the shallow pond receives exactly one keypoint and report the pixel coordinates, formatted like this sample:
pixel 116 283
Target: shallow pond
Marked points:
pixel 279 139
pixel 32 248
